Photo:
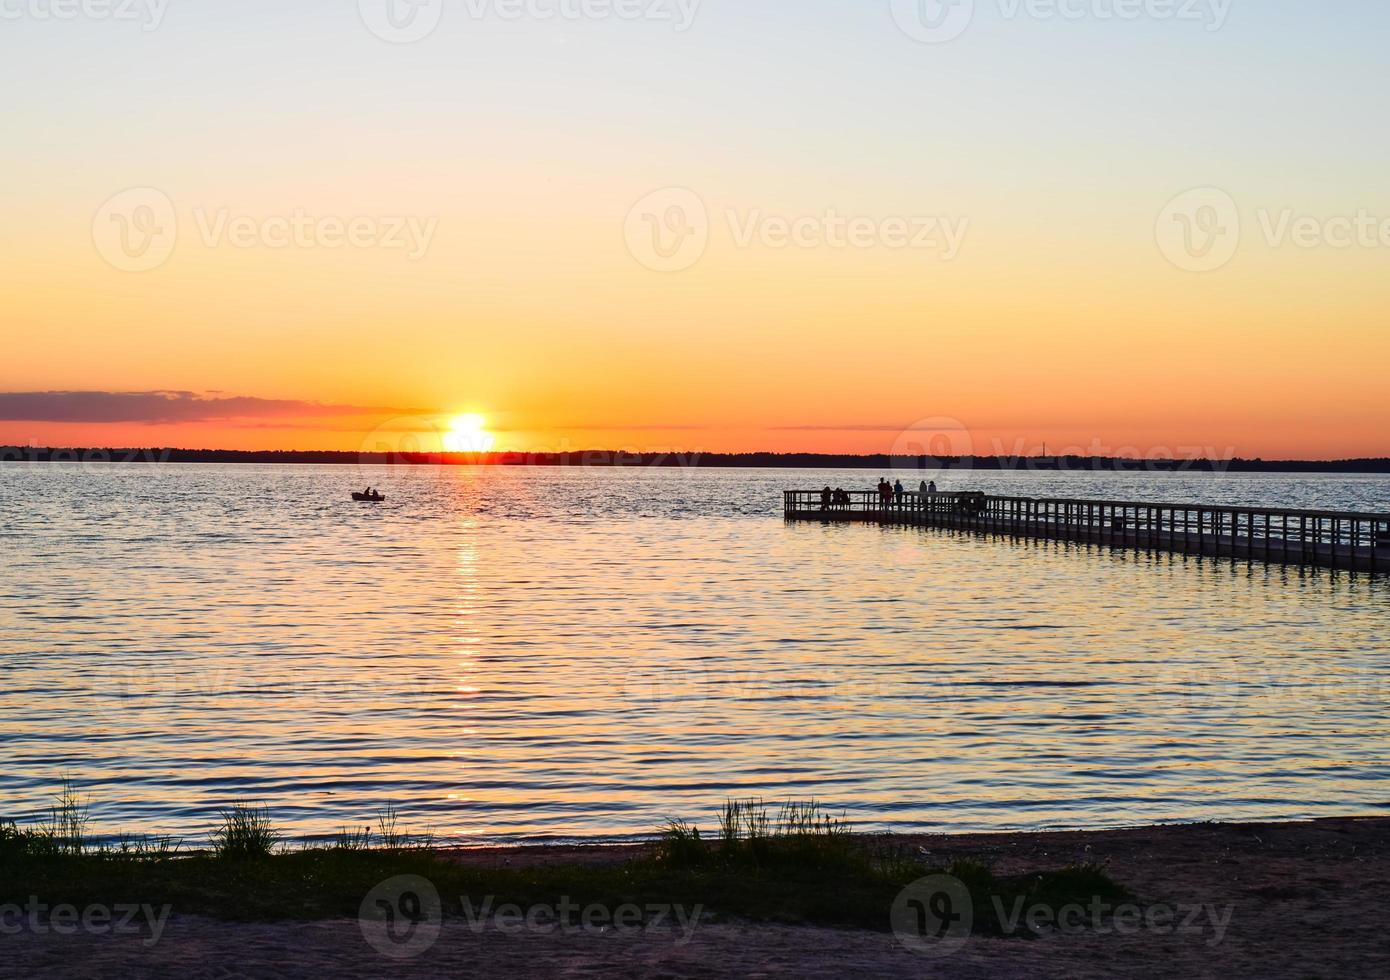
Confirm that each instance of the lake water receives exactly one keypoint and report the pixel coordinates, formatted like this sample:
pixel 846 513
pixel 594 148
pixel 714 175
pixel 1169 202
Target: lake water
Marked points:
pixel 557 653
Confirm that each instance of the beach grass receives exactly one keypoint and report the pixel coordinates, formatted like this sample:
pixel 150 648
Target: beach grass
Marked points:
pixel 246 833
pixel 793 864
pixel 752 836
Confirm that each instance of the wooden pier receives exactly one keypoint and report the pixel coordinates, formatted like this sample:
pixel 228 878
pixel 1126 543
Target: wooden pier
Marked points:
pixel 1326 539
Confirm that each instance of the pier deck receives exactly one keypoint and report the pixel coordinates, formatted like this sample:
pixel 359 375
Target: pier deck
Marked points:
pixel 1327 539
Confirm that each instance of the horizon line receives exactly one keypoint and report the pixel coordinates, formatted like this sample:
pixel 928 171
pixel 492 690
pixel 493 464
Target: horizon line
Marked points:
pixel 610 457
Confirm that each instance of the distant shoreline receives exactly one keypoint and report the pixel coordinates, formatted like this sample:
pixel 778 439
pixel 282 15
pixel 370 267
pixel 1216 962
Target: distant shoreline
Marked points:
pixel 693 460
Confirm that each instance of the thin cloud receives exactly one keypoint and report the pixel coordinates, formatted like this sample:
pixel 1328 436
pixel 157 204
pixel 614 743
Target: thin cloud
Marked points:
pixel 632 427
pixel 165 407
pixel 854 428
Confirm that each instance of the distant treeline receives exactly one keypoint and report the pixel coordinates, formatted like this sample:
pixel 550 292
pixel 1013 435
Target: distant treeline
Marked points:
pixel 603 457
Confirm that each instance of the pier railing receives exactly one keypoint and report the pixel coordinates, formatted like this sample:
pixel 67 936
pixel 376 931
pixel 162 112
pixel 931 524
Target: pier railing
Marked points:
pixel 1330 538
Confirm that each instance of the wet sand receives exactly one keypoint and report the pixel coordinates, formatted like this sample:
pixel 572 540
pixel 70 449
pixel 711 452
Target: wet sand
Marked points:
pixel 1299 900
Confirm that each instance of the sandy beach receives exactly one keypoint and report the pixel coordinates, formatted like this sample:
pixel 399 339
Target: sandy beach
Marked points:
pixel 1293 900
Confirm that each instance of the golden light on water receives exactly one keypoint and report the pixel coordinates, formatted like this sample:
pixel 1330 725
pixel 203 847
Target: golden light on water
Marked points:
pixel 469 434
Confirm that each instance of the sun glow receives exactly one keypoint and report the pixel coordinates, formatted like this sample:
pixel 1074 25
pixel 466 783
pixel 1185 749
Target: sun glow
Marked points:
pixel 468 434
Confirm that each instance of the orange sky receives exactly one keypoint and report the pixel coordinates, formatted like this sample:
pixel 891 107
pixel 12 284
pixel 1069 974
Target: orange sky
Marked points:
pixel 1061 314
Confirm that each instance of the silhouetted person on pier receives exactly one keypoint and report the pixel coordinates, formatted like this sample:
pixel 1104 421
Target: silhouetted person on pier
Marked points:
pixel 898 492
pixel 825 498
pixel 931 487
pixel 885 494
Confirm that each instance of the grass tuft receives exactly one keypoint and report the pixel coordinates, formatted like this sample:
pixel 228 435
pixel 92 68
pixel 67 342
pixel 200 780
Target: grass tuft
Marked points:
pixel 353 840
pixel 246 833
pixel 800 834
pixel 68 819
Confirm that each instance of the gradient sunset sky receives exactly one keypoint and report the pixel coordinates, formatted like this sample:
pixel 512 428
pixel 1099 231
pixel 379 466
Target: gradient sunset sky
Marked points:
pixel 1070 153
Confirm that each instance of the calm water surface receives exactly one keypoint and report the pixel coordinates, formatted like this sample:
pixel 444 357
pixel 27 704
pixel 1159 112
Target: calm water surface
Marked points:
pixel 534 654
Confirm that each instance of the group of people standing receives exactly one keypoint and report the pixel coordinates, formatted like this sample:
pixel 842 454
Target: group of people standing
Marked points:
pixel 889 494
pixel 836 499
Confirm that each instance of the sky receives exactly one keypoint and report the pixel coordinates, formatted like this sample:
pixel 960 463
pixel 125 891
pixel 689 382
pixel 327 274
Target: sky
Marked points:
pixel 1144 227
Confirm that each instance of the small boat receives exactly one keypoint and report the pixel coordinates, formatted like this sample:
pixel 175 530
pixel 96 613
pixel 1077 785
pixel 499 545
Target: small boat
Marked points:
pixel 363 498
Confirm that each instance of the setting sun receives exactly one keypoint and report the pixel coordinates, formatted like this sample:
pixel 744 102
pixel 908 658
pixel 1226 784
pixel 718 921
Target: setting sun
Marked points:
pixel 468 434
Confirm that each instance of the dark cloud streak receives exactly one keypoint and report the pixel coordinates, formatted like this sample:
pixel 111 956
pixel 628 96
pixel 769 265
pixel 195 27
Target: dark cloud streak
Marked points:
pixel 166 407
